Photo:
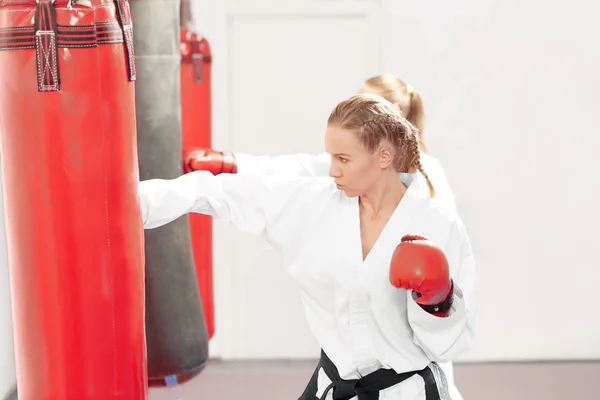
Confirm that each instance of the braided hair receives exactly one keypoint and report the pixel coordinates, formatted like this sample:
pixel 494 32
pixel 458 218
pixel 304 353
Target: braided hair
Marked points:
pixel 402 95
pixel 376 120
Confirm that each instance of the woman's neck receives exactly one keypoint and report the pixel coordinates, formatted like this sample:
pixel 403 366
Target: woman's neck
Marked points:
pixel 383 198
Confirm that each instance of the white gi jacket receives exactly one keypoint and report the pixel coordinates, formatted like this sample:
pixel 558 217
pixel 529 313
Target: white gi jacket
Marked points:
pixel 302 164
pixel 360 320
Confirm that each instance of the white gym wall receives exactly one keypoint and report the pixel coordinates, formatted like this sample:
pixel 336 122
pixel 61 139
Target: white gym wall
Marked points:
pixel 510 89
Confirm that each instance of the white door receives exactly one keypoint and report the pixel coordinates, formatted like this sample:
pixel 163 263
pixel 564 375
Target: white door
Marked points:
pixel 279 68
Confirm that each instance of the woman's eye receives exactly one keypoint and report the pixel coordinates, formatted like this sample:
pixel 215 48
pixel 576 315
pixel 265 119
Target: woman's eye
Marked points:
pixel 343 160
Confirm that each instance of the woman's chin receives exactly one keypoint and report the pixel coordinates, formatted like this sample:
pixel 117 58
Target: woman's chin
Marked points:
pixel 349 192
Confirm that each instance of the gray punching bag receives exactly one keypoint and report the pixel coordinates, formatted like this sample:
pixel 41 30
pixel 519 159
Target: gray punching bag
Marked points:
pixel 175 327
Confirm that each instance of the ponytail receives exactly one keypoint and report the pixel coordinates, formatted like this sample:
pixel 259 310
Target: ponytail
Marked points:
pixel 416 114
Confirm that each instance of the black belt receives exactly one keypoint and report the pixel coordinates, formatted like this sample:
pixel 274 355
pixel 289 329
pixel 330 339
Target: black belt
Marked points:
pixel 369 386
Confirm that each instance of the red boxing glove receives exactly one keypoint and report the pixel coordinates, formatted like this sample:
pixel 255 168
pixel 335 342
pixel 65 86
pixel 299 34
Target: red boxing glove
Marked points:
pixel 206 159
pixel 421 266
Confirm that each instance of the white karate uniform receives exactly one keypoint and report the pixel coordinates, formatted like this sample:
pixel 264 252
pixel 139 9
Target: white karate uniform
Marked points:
pixel 361 321
pixel 303 164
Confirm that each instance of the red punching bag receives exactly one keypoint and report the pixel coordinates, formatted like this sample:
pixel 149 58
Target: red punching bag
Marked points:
pixel 73 224
pixel 195 127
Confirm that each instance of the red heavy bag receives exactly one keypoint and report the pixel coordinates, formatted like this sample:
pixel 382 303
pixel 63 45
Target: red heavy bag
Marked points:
pixel 74 230
pixel 195 128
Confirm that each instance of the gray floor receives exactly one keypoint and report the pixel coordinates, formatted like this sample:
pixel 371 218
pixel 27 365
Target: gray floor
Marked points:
pixel 286 380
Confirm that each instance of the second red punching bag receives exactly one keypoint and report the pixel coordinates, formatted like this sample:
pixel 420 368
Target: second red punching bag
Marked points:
pixel 73 221
pixel 176 331
pixel 195 128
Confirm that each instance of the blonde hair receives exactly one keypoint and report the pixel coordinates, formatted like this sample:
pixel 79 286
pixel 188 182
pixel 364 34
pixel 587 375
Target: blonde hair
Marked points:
pixel 376 120
pixel 402 95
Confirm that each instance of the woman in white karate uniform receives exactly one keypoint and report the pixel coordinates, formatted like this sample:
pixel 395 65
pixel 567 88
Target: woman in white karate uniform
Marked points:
pixel 391 88
pixel 385 307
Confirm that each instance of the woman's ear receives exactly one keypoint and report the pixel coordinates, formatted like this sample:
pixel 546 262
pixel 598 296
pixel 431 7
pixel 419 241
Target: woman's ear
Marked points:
pixel 386 156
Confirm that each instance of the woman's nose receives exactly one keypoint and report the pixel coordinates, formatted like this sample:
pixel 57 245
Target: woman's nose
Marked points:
pixel 334 172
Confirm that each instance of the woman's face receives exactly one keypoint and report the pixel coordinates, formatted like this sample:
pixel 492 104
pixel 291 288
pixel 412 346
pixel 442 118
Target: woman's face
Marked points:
pixel 354 168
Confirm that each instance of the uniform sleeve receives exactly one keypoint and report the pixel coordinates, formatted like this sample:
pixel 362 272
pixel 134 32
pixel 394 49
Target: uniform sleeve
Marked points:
pixel 294 165
pixel 446 338
pixel 253 204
